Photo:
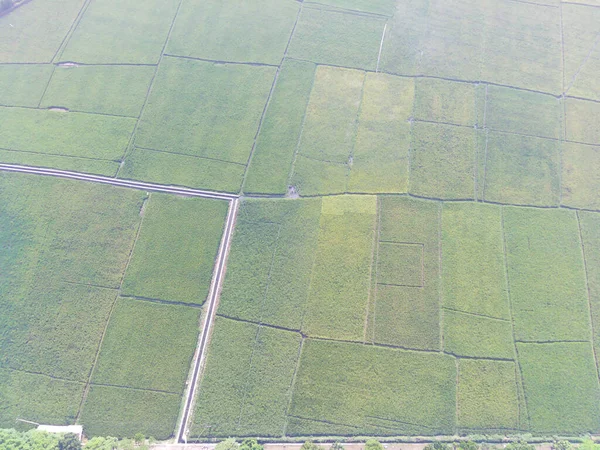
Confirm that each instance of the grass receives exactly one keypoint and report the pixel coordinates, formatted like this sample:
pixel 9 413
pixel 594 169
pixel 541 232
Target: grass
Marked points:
pixel 246 386
pixel 446 101
pixel 477 336
pixel 522 170
pixel 203 109
pixel 278 137
pixel 473 260
pixel 341 273
pixel 549 301
pixel 121 32
pixel 175 252
pixel 351 384
pixel 523 112
pixel 123 412
pixel 332 113
pixel 270 264
pixel 148 346
pixel 403 315
pixel 561 387
pixel 590 233
pixel 442 163
pixel 234 31
pixel 73 163
pixel 582 121
pixel 380 156
pixel 23 84
pixel 182 170
pixel 118 90
pixel 580 179
pixel 487 396
pixel 38 398
pixel 67 134
pixel 337 38
pixel 36 31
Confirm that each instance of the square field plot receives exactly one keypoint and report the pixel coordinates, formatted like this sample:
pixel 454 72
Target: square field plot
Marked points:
pixel 174 254
pixel 204 109
pixel 581 176
pixel 583 121
pixel 487 396
pixel 400 264
pixel 23 84
pixel 337 38
pixel 118 90
pixel 522 170
pixel 112 32
pixel 235 30
pixel 561 386
pixel 442 161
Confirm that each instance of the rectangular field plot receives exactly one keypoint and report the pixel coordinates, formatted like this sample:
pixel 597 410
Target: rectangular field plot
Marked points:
pixel 118 90
pixel 487 396
pixel 373 390
pixel 580 180
pixel 23 84
pixel 204 109
pixel 246 385
pixel 582 121
pixel 38 397
pixel 561 387
pixel 477 336
pixel 314 177
pixel 522 170
pixel 380 157
pixel 442 161
pixel 34 32
pixel 182 170
pixel 337 38
pixel 546 275
pixel 233 30
pixel 67 134
pixel 383 7
pixel 278 138
pixel 114 32
pixel 341 279
pixel 523 112
pixel 175 252
pixel 473 259
pixel 123 412
pixel 147 346
pixel 405 301
pixel 447 101
pixel 269 268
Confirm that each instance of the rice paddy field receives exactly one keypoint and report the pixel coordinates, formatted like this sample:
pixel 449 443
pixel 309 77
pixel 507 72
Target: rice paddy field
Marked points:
pixel 416 250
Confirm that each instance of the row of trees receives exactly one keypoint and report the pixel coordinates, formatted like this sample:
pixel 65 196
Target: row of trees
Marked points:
pixel 40 440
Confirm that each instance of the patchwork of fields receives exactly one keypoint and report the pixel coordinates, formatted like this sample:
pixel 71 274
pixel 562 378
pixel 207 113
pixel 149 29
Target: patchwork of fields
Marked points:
pixel 417 250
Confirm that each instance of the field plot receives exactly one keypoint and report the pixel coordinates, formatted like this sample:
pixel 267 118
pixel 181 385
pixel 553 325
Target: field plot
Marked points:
pixel 271 261
pixel 580 176
pixel 246 387
pixel 337 38
pixel 93 166
pixel 549 301
pixel 278 138
pixel 404 309
pixel 121 32
pixel 473 260
pixel 561 387
pixel 522 170
pixel 383 7
pixel 442 161
pixel 583 121
pixel 447 102
pixel 175 252
pixel 23 84
pixel 487 396
pixel 341 274
pixel 118 90
pixel 336 384
pixel 35 31
pixel 234 30
pixel 379 161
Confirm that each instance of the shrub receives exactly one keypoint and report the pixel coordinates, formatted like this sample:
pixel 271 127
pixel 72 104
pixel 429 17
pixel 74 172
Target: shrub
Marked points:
pixel 228 444
pixel 373 444
pixel 310 445
pixel 438 446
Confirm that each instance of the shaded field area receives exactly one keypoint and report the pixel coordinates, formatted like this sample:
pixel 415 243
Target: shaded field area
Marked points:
pixel 86 332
